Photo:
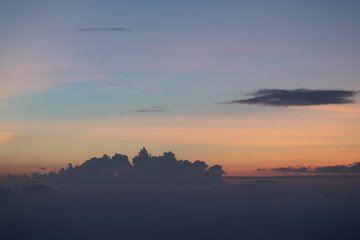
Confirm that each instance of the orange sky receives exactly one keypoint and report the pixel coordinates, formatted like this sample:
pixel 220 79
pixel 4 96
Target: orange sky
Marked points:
pixel 315 136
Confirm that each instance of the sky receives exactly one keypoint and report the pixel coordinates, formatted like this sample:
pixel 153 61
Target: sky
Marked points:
pixel 79 79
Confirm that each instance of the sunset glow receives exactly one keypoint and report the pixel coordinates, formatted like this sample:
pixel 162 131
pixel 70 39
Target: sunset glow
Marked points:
pixel 76 87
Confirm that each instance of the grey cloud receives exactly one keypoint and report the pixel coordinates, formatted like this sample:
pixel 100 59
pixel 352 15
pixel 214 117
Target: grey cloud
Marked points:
pixel 149 110
pixel 153 109
pixel 90 210
pixel 151 91
pixel 102 29
pixel 145 168
pixel 351 168
pixel 38 188
pixel 297 97
pixel 291 169
pixel 290 177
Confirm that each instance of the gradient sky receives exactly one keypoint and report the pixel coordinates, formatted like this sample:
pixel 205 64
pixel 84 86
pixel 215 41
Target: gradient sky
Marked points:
pixel 68 95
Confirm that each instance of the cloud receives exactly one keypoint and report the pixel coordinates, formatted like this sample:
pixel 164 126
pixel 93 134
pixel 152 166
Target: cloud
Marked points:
pixel 351 168
pixel 153 109
pixel 112 87
pixel 38 188
pixel 297 97
pixel 291 177
pixel 279 208
pixel 102 29
pixel 291 169
pixel 5 190
pixel 150 91
pixel 145 168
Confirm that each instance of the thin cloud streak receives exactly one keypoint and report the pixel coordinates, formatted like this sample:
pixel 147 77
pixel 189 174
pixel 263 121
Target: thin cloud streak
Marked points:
pixel 102 29
pixel 153 109
pixel 351 168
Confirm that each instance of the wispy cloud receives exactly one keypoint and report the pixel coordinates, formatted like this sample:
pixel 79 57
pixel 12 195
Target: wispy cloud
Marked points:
pixel 152 109
pixel 297 97
pixel 102 29
pixel 149 91
pixel 112 87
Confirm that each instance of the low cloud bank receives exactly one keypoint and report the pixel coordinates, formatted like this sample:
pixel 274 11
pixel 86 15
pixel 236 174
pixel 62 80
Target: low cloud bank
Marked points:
pixel 165 169
pixel 351 168
pixel 277 209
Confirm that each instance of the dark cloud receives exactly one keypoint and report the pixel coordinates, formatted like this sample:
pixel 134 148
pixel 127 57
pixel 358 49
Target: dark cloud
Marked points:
pixel 153 109
pixel 102 29
pixel 38 188
pixel 165 169
pixel 351 168
pixel 294 177
pixel 149 110
pixel 291 169
pixel 262 209
pixel 67 206
pixel 297 97
pixel 5 190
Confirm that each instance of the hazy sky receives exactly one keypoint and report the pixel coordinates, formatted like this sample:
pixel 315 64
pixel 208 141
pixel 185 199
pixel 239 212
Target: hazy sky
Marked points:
pixel 82 78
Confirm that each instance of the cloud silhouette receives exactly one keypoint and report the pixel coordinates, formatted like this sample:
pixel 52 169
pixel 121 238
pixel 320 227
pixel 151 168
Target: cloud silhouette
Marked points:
pixel 297 97
pixel 351 168
pixel 291 169
pixel 102 29
pixel 291 177
pixel 165 169
pixel 153 109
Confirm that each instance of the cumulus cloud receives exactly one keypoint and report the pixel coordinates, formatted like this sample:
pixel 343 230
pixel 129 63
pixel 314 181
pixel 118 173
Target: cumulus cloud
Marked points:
pixel 102 29
pixel 165 169
pixel 297 97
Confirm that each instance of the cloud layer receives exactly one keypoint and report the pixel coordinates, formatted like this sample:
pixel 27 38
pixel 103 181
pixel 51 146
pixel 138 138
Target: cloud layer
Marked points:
pixel 297 97
pixel 257 209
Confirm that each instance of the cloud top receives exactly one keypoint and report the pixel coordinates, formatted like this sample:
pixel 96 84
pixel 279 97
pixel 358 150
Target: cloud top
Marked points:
pixel 297 97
